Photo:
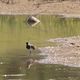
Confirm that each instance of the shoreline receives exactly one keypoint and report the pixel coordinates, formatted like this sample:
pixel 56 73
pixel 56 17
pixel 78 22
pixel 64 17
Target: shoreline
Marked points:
pixel 67 52
pixel 63 15
pixel 64 8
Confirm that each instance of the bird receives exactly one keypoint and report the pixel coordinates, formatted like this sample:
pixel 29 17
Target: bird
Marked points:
pixel 29 46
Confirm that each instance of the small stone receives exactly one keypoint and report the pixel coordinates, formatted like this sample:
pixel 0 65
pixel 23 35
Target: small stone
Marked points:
pixel 33 21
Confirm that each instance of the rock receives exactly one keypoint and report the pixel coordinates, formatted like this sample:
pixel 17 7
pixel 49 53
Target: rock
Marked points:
pixel 33 21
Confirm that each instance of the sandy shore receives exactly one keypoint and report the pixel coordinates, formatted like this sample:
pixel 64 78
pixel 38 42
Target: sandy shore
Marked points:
pixel 67 52
pixel 21 7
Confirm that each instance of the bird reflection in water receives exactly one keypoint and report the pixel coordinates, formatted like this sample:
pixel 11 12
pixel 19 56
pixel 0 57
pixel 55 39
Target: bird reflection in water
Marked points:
pixel 29 63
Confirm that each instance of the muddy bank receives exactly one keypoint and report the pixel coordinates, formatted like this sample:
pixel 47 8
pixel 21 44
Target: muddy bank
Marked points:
pixel 32 7
pixel 67 52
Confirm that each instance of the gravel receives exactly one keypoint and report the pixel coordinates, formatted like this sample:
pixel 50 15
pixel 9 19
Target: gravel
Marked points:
pixel 66 54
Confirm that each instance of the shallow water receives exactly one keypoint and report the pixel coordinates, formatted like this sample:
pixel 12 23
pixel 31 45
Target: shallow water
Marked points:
pixel 15 61
pixel 38 72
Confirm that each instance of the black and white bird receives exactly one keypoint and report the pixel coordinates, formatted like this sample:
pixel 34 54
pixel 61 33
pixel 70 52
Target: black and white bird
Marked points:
pixel 30 46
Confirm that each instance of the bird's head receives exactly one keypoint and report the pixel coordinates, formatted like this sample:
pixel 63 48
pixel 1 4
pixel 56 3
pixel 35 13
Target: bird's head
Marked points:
pixel 26 42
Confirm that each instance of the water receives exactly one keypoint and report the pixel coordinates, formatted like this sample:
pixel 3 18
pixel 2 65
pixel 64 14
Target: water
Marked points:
pixel 40 72
pixel 15 61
